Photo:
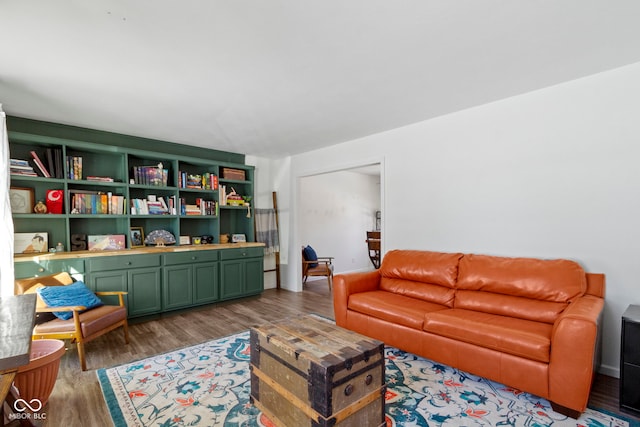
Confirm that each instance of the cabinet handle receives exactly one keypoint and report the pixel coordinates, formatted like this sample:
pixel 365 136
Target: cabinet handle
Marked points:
pixel 128 262
pixel 194 258
pixel 41 269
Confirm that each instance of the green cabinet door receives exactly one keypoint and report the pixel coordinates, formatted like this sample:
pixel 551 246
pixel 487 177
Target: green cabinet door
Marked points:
pixel 241 272
pixel 254 276
pixel 177 285
pixel 189 278
pixel 231 279
pixel 205 282
pixel 144 287
pixel 106 281
pixel 138 275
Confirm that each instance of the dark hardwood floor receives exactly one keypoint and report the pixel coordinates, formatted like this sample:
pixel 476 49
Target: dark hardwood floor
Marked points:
pixel 77 399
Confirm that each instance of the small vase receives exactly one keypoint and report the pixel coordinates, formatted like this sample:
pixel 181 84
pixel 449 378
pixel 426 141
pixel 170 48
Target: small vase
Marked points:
pixel 40 208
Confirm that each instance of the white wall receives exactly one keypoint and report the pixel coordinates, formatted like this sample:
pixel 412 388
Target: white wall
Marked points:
pixel 336 211
pixel 552 174
pixel 273 175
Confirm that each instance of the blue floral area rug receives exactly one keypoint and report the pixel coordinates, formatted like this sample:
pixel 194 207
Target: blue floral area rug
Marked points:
pixel 209 385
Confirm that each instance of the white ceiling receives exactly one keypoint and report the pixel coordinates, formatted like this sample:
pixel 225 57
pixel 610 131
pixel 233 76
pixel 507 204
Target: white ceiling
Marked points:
pixel 278 77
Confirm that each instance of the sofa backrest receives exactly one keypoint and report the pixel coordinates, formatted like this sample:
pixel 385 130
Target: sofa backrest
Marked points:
pixel 430 276
pixel 526 288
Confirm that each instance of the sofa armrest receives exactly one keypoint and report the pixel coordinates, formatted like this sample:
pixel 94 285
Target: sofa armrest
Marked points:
pixel 575 342
pixel 352 283
pixel 595 284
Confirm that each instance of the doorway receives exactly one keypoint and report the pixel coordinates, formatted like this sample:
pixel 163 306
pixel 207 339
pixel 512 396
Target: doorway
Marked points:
pixel 336 209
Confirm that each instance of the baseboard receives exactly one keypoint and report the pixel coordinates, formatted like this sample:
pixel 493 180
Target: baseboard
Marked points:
pixel 611 371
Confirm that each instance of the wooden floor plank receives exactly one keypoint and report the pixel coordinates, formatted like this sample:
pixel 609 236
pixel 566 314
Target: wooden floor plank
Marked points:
pixel 77 399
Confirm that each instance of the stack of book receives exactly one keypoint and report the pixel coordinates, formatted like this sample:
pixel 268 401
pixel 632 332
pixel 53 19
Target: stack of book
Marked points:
pixel 150 175
pixel 32 167
pixel 152 205
pixel 21 167
pixel 205 181
pixel 201 207
pixel 54 160
pixel 94 202
pixel 74 166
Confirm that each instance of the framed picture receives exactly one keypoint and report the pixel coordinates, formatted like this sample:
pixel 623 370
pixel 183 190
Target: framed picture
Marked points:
pixel 22 200
pixel 238 238
pixel 106 242
pixel 136 237
pixel 29 243
pixel 185 240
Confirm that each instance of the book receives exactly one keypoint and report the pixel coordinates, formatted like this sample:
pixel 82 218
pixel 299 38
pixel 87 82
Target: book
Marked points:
pixel 21 167
pixel 59 166
pixel 95 202
pixel 18 162
pixel 40 165
pixel 51 163
pixel 74 166
pixel 100 178
pixel 150 175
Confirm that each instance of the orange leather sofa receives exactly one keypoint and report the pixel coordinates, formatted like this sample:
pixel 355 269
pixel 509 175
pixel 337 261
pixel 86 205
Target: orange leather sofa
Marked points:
pixel 528 323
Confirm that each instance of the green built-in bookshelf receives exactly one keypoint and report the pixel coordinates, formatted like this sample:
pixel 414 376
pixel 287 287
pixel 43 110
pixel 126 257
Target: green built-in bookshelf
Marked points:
pixel 100 173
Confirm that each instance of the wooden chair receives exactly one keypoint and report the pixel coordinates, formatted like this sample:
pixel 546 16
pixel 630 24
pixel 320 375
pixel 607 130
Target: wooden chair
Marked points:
pixel 84 326
pixel 313 265
pixel 373 244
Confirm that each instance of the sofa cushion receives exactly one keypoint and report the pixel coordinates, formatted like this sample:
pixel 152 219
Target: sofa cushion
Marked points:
pixel 546 280
pixel 442 295
pixel 392 307
pixel 507 305
pixel 523 338
pixel 436 268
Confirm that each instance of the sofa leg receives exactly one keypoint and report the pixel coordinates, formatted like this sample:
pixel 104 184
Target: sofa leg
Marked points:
pixel 565 411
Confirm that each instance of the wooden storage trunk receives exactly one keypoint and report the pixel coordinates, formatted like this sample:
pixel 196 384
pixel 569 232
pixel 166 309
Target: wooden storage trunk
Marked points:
pixel 231 173
pixel 306 371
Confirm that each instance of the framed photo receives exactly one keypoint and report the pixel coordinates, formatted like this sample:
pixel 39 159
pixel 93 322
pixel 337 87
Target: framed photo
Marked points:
pixel 29 243
pixel 136 237
pixel 22 200
pixel 106 242
pixel 238 238
pixel 185 240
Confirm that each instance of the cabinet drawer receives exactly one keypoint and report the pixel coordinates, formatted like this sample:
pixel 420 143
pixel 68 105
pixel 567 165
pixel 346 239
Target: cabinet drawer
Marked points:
pixel 118 262
pixel 190 257
pixel 45 267
pixel 241 253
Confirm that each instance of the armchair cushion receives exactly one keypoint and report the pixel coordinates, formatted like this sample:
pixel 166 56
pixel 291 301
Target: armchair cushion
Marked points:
pixel 74 294
pixel 309 254
pixel 91 321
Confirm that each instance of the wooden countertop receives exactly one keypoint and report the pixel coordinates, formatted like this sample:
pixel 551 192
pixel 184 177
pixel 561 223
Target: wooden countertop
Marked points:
pixel 134 251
